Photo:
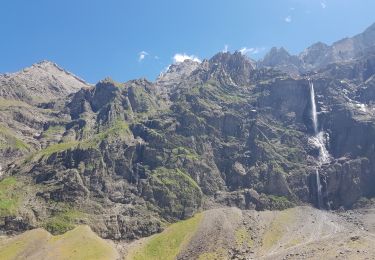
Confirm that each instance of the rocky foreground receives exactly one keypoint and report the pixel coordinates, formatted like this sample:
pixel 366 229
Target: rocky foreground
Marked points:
pixel 221 233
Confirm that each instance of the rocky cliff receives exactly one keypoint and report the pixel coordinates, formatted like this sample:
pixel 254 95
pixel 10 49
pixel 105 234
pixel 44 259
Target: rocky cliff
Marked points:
pixel 127 158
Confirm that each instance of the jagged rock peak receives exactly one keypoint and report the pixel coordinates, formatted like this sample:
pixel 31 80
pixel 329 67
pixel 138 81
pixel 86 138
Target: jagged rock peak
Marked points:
pixel 237 58
pixel 140 81
pixel 277 56
pixel 178 70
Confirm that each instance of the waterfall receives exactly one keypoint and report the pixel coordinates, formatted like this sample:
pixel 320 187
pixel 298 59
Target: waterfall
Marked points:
pixel 313 108
pixel 318 141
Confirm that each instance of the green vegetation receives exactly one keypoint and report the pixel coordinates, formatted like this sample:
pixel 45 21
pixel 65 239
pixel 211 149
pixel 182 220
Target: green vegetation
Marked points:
pixel 168 244
pixel 142 102
pixel 11 141
pixel 217 92
pixel 80 243
pixel 174 191
pixel 279 202
pixel 53 130
pixel 48 151
pixel 243 238
pixel 277 227
pixel 219 254
pixel 63 221
pixel 118 129
pixel 9 196
pixel 6 103
pixel 184 152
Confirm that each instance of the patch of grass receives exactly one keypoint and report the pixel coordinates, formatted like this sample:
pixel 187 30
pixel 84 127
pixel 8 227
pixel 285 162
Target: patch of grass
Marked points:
pixel 293 242
pixel 174 191
pixel 11 140
pixel 13 248
pixel 276 229
pixel 6 103
pixel 53 130
pixel 217 92
pixel 184 152
pixel 9 196
pixel 169 177
pixel 118 129
pixel 219 254
pixel 63 221
pixel 80 243
pixel 243 238
pixel 48 151
pixel 279 202
pixel 168 244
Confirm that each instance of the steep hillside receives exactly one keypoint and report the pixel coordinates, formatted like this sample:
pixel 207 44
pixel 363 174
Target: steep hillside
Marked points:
pixel 229 233
pixel 30 117
pixel 79 243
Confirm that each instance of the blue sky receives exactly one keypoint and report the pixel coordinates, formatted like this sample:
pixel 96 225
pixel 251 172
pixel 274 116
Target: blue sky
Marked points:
pixel 132 39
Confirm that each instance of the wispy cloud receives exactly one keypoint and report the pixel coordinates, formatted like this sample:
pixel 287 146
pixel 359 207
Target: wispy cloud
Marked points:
pixel 142 55
pixel 288 19
pixel 179 57
pixel 255 50
pixel 323 5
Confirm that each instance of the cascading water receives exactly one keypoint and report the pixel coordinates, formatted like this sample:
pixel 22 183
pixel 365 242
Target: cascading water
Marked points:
pixel 314 113
pixel 318 140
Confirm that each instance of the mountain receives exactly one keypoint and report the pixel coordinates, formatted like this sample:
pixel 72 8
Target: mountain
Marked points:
pixel 26 107
pixel 128 158
pixel 320 55
pixel 43 81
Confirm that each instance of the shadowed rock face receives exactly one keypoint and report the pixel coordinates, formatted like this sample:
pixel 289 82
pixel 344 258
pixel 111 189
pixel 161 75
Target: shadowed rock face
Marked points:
pixel 126 157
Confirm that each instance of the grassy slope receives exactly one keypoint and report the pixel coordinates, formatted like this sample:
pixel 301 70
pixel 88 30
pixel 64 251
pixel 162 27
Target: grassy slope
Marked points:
pixel 168 244
pixel 79 243
pixel 277 228
pixel 9 196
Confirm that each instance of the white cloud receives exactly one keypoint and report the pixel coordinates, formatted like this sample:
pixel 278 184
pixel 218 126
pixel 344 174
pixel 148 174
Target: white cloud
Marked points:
pixel 179 57
pixel 142 55
pixel 288 19
pixel 225 48
pixel 292 8
pixel 324 5
pixel 246 50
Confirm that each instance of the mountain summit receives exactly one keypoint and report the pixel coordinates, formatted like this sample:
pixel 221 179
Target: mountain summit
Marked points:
pixel 42 81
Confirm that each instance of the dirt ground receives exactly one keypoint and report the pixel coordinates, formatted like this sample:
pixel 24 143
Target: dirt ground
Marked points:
pixel 298 233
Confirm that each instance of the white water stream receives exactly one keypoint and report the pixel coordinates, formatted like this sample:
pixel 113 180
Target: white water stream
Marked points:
pixel 318 141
